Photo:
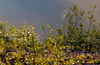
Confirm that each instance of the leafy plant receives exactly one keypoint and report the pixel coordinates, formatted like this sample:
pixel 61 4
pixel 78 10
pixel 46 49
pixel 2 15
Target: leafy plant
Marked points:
pixel 21 46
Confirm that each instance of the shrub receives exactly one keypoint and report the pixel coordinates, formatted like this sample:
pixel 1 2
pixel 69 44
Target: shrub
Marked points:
pixel 21 46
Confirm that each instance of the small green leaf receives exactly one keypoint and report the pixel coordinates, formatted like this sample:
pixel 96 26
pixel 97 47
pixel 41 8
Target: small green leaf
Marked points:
pixel 89 12
pixel 94 20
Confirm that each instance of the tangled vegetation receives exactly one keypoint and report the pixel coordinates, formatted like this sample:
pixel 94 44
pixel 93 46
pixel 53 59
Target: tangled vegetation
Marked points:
pixel 21 46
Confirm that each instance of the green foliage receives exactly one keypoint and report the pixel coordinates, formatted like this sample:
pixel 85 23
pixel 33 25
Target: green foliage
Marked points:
pixel 21 46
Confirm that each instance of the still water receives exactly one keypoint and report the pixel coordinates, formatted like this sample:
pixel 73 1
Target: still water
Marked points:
pixel 39 12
